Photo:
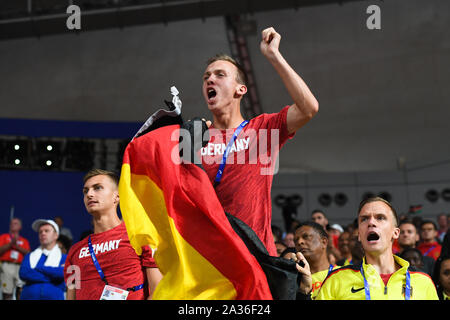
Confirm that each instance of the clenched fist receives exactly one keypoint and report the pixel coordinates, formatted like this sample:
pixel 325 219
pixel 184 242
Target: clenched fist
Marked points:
pixel 270 43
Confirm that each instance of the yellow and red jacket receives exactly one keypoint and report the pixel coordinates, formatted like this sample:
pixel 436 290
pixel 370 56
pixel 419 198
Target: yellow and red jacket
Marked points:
pixel 347 283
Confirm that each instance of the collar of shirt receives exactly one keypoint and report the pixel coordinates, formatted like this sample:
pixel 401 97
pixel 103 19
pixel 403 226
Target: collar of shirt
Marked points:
pixel 374 279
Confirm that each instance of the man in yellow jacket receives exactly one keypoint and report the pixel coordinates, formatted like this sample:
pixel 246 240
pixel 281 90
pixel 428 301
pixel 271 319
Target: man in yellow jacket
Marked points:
pixel 381 275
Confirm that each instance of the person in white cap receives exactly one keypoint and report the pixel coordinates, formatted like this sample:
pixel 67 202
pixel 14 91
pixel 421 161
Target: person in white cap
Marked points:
pixel 43 269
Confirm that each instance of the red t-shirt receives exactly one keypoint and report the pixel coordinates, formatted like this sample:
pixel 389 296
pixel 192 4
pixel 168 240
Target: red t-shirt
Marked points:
pixel 432 249
pixel 12 255
pixel 245 188
pixel 122 267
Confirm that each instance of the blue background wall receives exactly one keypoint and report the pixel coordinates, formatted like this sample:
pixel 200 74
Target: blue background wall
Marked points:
pixel 46 194
pixel 38 194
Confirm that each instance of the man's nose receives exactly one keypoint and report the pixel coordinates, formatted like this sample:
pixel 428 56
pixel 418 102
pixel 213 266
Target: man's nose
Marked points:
pixel 372 221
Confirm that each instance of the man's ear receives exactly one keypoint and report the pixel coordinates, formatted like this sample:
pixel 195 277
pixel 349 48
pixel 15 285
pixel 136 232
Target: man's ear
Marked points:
pixel 396 233
pixel 241 90
pixel 116 197
pixel 324 242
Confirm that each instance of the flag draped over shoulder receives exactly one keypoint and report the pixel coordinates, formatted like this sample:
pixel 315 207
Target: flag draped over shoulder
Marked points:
pixel 173 207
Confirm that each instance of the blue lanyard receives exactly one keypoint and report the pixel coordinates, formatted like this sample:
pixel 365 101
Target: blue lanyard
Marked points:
pixel 227 151
pixel 429 250
pixel 407 285
pixel 100 271
pixel 95 261
pixel 330 268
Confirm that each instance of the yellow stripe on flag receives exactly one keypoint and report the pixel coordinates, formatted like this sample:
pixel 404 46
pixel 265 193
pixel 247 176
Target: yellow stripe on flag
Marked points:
pixel 187 274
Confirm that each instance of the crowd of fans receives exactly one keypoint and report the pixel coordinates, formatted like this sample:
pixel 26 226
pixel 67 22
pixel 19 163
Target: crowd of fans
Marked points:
pixel 17 263
pixel 423 243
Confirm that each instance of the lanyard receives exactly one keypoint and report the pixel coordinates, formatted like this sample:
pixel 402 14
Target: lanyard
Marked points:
pixel 330 268
pixel 429 250
pixel 407 285
pixel 95 261
pixel 227 151
pixel 100 271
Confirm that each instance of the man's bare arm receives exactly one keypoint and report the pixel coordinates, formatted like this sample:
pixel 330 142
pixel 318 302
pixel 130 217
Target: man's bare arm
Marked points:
pixel 153 278
pixel 70 294
pixel 305 104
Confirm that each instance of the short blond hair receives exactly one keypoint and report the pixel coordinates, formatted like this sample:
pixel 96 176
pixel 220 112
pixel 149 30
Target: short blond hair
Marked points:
pixel 379 199
pixel 97 172
pixel 241 76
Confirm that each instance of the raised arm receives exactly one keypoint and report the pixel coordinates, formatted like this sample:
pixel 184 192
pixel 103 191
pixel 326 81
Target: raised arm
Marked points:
pixel 305 104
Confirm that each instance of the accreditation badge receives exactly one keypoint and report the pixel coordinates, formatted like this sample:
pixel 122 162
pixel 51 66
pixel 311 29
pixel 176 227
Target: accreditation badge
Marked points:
pixel 113 293
pixel 14 255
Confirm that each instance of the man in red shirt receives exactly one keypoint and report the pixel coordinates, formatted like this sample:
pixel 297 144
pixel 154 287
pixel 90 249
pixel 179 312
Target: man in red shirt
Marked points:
pixel 13 248
pixel 243 186
pixel 429 246
pixel 104 265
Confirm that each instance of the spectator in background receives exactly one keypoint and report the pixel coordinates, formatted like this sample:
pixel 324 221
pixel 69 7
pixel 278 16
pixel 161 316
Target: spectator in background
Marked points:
pixel 344 249
pixel 43 269
pixel 13 247
pixel 311 240
pixel 289 240
pixel 63 230
pixel 318 216
pixel 64 243
pixel 280 247
pixel 352 226
pixel 442 221
pixel 356 251
pixel 334 231
pixel 441 277
pixel 414 257
pixel 428 245
pixel 408 239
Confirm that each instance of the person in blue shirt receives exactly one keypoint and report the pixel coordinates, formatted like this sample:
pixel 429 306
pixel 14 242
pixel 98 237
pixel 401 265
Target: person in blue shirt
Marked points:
pixel 43 269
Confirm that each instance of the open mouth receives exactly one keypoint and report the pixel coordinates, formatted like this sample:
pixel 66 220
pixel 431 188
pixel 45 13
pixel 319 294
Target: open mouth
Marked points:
pixel 373 236
pixel 211 93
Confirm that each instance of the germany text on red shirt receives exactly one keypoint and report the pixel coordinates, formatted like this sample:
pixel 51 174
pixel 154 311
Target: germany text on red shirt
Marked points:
pixel 245 188
pixel 122 267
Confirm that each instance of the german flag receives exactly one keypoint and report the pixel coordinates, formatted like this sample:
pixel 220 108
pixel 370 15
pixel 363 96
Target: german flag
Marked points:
pixel 172 206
